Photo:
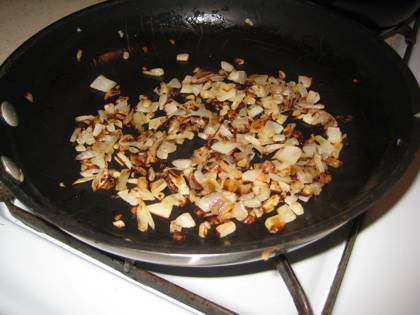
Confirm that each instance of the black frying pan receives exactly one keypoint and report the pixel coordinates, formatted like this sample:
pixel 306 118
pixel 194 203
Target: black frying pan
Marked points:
pixel 355 73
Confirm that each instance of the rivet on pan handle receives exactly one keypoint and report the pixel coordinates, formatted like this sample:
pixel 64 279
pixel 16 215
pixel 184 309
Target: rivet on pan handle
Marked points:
pixel 8 114
pixel 11 169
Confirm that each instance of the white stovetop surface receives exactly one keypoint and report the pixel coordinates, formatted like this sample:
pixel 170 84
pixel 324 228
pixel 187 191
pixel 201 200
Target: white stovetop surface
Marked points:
pixel 39 276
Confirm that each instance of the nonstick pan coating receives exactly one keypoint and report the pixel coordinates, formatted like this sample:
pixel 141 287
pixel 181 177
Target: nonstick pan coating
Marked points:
pixel 355 73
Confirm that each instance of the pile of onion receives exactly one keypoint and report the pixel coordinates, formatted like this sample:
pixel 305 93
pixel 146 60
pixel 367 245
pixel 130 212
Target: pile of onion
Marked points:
pixel 255 162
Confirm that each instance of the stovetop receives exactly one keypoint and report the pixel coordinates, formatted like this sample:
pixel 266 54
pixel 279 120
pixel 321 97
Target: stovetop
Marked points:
pixel 42 275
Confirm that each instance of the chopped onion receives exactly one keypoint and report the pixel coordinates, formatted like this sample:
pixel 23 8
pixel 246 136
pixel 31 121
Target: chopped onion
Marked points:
pixel 288 154
pixel 334 134
pixel 226 66
pixel 237 76
pixel 103 84
pixel 155 72
pixel 174 83
pixel 225 229
pixel 183 57
pixel 185 220
pixel 224 147
pixel 203 229
pixel 165 149
pixel 164 208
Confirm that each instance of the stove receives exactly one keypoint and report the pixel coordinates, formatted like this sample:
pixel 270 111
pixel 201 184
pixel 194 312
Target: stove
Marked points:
pixel 369 266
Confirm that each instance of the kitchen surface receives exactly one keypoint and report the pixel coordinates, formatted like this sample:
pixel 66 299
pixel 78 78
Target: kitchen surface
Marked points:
pixel 39 275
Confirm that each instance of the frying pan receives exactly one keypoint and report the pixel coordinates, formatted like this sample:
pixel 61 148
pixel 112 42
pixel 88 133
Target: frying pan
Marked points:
pixel 355 73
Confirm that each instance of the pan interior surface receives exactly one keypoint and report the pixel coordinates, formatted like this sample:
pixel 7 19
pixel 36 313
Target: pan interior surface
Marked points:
pixel 353 72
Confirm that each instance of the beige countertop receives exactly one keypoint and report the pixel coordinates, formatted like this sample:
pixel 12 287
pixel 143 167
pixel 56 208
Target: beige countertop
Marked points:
pixel 20 19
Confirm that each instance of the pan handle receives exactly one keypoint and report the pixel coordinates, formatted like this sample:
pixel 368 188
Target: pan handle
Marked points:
pixel 5 193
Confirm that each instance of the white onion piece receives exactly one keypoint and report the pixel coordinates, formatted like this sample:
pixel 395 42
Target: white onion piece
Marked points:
pixel 225 229
pixel 252 203
pixel 155 123
pixel 305 81
pixel 237 76
pixel 144 218
pixel 165 149
pixel 286 213
pixel 103 84
pixel 85 155
pixel 208 202
pixel 288 154
pixel 255 111
pixel 203 229
pixel 128 197
pixel 251 175
pixel 118 224
pixel 296 207
pixel 183 57
pixel 224 147
pixel 155 72
pixel 334 135
pixel 182 164
pixel 174 84
pixel 164 208
pixel 185 220
pixel 226 66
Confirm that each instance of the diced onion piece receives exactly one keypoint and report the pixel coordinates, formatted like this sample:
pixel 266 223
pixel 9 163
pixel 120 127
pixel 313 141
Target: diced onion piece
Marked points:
pixel 224 147
pixel 183 57
pixel 118 224
pixel 185 220
pixel 129 197
pixel 103 84
pixel 157 186
pixel 122 180
pixel 252 203
pixel 334 134
pixel 83 180
pixel 305 81
pixel 155 72
pixel 79 55
pixel 144 218
pixel 239 61
pixel 239 211
pixel 286 214
pixel 313 97
pixel 165 149
pixel 270 204
pixel 274 224
pixel 155 123
pixel 174 83
pixel 212 202
pixel 125 159
pixel 182 164
pixel 288 154
pixel 85 155
pixel 164 208
pixel 180 183
pixel 296 207
pixel 226 66
pixel 251 175
pixel 237 76
pixel 203 229
pixel 225 229
pixel 249 22
pixel 255 111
